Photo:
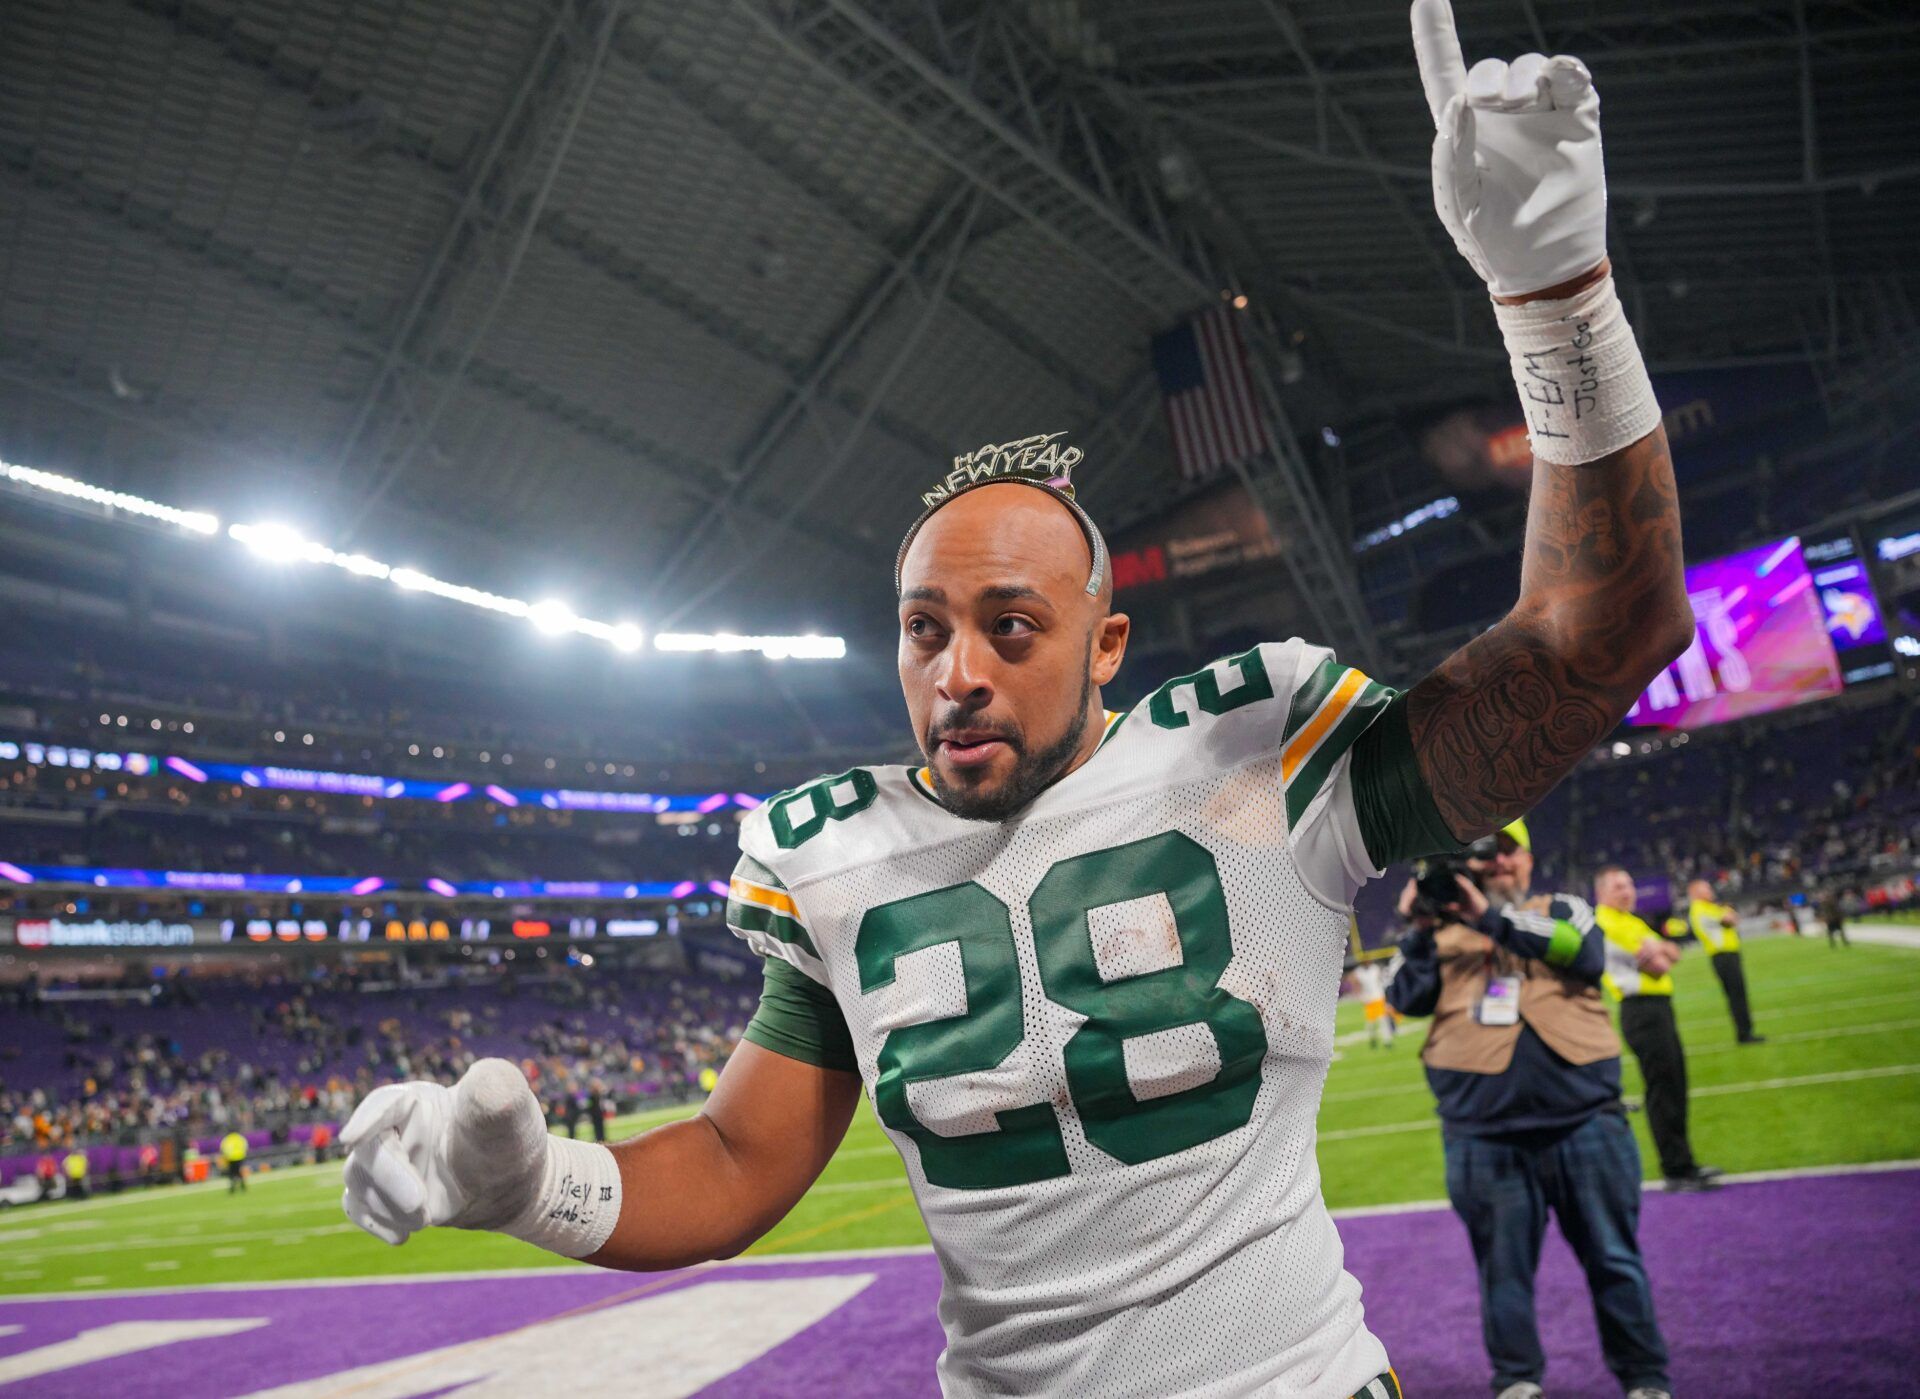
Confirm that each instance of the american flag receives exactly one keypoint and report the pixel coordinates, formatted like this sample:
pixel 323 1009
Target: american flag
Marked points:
pixel 1207 385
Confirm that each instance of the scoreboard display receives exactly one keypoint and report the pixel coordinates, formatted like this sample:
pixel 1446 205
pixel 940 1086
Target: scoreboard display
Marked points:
pixel 1856 622
pixel 1761 643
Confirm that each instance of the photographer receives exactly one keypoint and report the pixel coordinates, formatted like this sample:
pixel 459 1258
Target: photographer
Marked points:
pixel 1525 1065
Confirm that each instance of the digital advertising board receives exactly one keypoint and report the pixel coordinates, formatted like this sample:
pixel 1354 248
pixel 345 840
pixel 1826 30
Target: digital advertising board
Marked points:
pixel 1761 643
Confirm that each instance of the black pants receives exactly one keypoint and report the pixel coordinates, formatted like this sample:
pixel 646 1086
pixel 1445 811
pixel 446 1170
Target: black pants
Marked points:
pixel 1651 1032
pixel 1837 932
pixel 1733 981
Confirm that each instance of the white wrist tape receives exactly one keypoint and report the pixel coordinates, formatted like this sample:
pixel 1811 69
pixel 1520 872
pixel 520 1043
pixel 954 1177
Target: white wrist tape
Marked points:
pixel 1583 385
pixel 578 1203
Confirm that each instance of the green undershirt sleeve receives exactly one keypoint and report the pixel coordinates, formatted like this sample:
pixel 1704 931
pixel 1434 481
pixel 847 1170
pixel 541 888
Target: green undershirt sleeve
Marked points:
pixel 799 1018
pixel 1397 815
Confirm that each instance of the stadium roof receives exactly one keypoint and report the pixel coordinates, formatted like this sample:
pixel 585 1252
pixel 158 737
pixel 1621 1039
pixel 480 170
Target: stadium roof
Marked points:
pixel 677 305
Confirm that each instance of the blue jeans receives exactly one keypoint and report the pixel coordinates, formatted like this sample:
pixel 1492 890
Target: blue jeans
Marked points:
pixel 1590 1179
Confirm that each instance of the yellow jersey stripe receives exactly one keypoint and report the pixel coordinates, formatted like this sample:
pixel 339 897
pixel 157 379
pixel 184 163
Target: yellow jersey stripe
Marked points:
pixel 778 900
pixel 1300 747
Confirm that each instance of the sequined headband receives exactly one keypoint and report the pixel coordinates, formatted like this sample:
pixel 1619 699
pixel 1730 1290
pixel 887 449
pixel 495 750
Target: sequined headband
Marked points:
pixel 1043 462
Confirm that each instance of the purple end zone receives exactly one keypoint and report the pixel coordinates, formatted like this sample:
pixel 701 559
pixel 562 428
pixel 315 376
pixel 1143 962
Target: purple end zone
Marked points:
pixel 1782 1288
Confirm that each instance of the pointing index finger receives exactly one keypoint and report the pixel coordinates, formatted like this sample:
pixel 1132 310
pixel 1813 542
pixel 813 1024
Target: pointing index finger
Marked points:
pixel 1436 46
pixel 385 1107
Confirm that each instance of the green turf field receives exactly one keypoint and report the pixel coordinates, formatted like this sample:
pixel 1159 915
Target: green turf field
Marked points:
pixel 1839 1082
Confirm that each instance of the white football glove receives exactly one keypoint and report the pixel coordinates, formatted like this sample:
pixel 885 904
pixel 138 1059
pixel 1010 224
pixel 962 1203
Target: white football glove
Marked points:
pixel 475 1156
pixel 1517 174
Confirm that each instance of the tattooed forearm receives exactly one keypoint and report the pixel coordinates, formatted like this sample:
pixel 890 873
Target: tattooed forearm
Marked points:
pixel 1603 606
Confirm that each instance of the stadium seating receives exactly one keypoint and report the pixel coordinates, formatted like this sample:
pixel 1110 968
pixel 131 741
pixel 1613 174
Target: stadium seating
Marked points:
pixel 198 1053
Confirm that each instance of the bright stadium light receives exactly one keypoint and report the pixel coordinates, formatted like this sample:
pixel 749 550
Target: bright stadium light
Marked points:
pixel 774 648
pixel 454 592
pixel 553 618
pixel 199 521
pixel 276 543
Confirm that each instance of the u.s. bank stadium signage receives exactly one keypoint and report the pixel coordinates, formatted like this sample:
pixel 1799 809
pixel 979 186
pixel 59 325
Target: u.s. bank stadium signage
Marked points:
pixel 150 933
pixel 104 932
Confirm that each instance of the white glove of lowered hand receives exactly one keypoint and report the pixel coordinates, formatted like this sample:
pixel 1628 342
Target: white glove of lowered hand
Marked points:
pixel 475 1156
pixel 1517 174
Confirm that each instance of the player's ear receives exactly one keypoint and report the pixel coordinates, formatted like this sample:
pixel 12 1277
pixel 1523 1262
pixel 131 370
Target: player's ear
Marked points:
pixel 1109 646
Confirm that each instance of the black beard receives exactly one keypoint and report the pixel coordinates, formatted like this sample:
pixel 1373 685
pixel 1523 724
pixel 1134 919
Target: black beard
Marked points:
pixel 1032 773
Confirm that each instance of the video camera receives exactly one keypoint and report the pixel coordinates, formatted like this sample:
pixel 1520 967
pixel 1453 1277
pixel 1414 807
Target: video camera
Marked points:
pixel 1436 894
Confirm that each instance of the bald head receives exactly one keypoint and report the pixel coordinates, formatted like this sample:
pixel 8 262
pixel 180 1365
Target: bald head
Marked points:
pixel 1031 532
pixel 1002 649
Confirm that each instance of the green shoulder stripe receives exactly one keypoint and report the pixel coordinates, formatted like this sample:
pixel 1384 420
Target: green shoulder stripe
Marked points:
pixel 751 869
pixel 1313 694
pixel 753 918
pixel 1313 774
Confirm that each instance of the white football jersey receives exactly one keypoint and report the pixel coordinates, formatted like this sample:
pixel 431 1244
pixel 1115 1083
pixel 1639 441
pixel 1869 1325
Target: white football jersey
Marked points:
pixel 1098 1032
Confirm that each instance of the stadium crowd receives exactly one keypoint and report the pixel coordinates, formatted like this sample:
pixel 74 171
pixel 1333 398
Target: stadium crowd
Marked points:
pixel 250 1052
pixel 1764 810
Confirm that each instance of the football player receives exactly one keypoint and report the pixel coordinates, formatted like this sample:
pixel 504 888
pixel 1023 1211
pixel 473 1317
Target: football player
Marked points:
pixel 1084 964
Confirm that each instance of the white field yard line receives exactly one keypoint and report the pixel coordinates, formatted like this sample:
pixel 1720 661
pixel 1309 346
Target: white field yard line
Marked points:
pixel 1852 1003
pixel 839 1187
pixel 1705 1008
pixel 1716 1090
pixel 325 1174
pixel 1878 1027
pixel 1709 990
pixel 1813 961
pixel 186 1231
pixel 1710 1004
pixel 830 1256
pixel 171 1195
pixel 141 1245
pixel 849 1255
pixel 1863 1168
pixel 834 1255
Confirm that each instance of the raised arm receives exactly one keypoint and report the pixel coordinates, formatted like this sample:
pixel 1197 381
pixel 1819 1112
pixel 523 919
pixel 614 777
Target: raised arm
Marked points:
pixel 478 1156
pixel 1518 182
pixel 1602 608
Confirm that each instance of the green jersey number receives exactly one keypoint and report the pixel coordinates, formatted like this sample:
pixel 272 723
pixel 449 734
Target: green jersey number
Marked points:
pixel 800 815
pixel 1028 1145
pixel 1254 685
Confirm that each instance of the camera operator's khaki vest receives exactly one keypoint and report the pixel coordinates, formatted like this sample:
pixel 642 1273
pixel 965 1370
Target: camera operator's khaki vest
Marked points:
pixel 1568 1015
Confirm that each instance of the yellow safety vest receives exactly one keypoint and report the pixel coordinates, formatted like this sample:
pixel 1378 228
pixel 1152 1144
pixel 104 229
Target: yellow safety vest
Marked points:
pixel 1624 933
pixel 76 1164
pixel 233 1147
pixel 1712 923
